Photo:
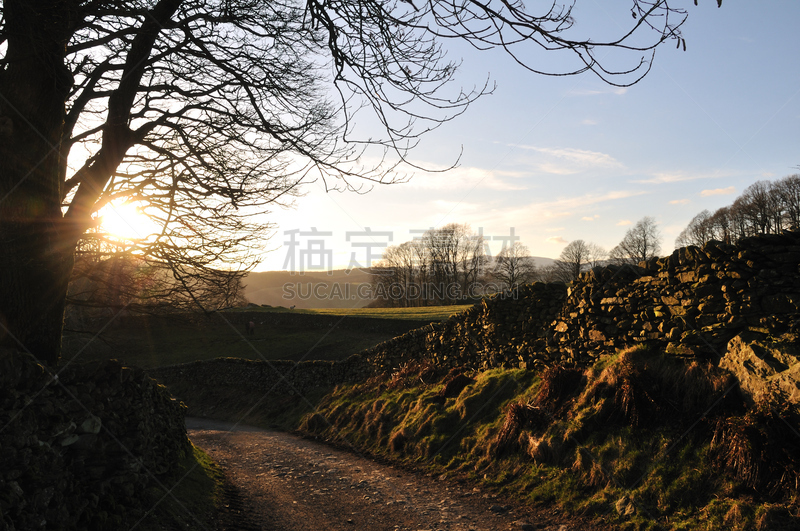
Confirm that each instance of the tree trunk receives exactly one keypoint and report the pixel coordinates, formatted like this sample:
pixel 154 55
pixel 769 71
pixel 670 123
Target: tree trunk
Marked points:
pixel 36 248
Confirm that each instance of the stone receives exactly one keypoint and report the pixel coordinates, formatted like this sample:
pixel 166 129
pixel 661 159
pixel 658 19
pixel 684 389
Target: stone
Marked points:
pixel 625 506
pixel 757 363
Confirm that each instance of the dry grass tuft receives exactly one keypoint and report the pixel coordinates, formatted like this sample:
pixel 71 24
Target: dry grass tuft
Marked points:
pixel 412 374
pixel 623 392
pixel 454 383
pixel 777 519
pixel 558 384
pixel 518 417
pixel 762 447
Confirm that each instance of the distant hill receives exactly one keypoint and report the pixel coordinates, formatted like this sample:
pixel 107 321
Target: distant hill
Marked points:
pixel 318 289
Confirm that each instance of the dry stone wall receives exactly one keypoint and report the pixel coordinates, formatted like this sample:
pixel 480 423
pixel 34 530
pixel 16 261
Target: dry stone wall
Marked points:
pixel 693 301
pixel 282 378
pixel 79 451
pixel 509 329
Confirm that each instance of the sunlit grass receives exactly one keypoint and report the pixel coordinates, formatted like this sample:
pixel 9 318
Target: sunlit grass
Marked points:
pixel 422 313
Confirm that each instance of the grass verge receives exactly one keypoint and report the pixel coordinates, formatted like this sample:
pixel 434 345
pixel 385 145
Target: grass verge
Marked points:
pixel 196 490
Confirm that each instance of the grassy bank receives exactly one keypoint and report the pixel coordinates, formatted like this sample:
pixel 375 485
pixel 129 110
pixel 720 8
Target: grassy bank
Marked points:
pixel 639 440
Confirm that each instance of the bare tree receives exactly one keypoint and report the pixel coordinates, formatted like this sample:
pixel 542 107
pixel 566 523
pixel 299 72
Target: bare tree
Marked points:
pixel 788 192
pixel 577 257
pixel 456 260
pixel 209 111
pixel 721 225
pixel 699 231
pixel 514 266
pixel 760 207
pixel 396 277
pixel 641 243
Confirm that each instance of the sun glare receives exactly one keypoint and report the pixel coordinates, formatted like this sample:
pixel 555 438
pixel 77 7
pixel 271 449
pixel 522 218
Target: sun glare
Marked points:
pixel 125 221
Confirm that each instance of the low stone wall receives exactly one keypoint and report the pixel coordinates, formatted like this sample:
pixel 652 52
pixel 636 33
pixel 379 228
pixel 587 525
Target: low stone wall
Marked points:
pixel 507 329
pixel 283 378
pixel 79 451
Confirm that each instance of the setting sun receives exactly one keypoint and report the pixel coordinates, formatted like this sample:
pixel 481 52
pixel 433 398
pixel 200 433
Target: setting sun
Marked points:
pixel 125 221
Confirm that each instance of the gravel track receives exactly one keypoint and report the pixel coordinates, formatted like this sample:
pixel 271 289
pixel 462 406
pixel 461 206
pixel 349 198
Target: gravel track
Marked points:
pixel 276 481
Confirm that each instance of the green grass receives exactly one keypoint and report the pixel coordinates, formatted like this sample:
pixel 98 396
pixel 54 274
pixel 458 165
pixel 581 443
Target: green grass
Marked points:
pixel 158 341
pixel 422 313
pixel 196 492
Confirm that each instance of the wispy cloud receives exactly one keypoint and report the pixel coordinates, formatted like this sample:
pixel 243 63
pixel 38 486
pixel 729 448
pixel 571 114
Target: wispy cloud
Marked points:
pixel 556 239
pixel 466 178
pixel 589 121
pixel 665 177
pixel 680 202
pixel 623 222
pixel 567 161
pixel 565 206
pixel 719 191
pixel 590 218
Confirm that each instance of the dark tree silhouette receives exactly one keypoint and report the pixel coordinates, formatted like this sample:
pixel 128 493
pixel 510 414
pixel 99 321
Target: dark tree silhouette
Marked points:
pixel 641 243
pixel 208 111
pixel 765 207
pixel 576 257
pixel 513 266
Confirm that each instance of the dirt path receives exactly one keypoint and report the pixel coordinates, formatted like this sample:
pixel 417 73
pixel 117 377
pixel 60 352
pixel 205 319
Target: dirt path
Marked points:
pixel 280 482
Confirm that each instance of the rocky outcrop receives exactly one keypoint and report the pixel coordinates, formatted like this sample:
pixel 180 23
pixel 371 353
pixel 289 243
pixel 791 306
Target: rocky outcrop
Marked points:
pixel 79 449
pixel 759 363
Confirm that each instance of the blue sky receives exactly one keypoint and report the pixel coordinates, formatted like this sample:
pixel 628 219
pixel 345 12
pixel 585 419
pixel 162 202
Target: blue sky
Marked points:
pixel 560 159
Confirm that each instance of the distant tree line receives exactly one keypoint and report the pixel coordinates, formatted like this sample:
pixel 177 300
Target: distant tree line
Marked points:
pixel 640 243
pixel 448 265
pixel 765 207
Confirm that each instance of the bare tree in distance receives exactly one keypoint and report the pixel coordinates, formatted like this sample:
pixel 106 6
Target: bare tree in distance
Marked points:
pixel 765 207
pixel 788 191
pixel 514 266
pixel 576 257
pixel 207 112
pixel 698 232
pixel 445 266
pixel 641 243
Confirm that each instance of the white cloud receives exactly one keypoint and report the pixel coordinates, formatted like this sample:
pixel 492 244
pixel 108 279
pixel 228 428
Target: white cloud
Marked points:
pixel 590 218
pixel 719 191
pixel 565 206
pixel 567 161
pixel 465 178
pixel 556 239
pixel 623 222
pixel 680 202
pixel 664 177
pixel 589 121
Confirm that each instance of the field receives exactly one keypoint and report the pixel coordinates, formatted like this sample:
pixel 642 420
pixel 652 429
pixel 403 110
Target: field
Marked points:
pixel 280 333
pixel 422 313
